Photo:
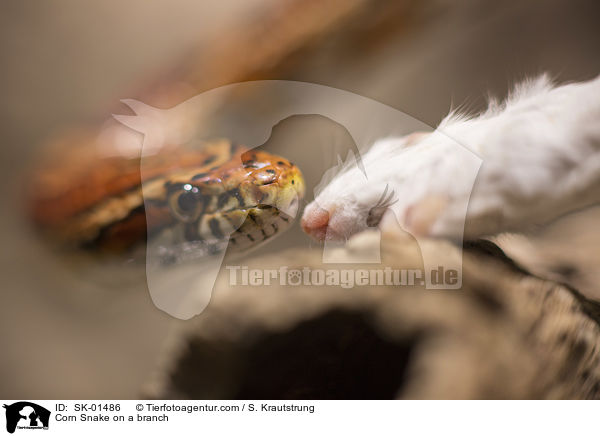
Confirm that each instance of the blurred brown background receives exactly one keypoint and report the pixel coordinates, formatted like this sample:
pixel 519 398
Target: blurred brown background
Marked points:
pixel 68 334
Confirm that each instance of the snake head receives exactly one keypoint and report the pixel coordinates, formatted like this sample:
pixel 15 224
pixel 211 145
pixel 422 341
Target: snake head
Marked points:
pixel 237 195
pixel 272 181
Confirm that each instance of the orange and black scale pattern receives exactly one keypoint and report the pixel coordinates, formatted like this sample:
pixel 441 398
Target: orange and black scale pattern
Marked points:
pixel 213 192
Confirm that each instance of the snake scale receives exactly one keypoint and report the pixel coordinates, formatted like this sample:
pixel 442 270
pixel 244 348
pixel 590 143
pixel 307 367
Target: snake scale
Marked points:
pixel 218 191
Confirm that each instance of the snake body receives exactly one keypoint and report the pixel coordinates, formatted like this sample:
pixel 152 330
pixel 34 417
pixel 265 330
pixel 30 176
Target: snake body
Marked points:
pixel 204 195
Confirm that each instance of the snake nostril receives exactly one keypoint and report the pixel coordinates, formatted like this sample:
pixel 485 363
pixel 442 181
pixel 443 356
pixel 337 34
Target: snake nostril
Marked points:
pixel 250 164
pixel 265 177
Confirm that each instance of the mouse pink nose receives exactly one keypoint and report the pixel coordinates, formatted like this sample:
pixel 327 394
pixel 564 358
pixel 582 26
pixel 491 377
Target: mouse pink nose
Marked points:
pixel 314 222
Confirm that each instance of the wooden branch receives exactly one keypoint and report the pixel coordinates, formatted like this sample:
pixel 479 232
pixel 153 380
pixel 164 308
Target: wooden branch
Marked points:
pixel 506 334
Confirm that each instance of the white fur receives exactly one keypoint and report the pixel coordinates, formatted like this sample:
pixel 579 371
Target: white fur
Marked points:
pixel 540 159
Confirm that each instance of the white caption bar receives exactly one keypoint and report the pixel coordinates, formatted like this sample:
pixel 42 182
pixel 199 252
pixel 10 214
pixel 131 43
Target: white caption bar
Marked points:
pixel 299 417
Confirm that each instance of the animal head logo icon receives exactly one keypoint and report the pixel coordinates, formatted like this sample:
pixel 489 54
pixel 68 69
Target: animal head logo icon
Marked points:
pixel 184 289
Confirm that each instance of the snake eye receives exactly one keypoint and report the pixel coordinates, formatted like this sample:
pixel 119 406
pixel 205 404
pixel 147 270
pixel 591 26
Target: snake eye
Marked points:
pixel 186 204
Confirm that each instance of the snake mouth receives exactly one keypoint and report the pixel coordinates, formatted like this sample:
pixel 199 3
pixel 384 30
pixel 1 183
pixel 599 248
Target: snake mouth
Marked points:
pixel 243 227
pixel 216 233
